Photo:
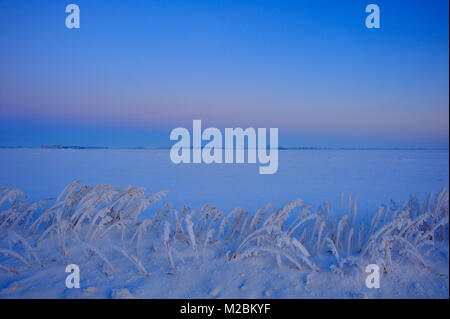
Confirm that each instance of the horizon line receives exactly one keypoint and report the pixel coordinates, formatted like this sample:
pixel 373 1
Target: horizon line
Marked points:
pixel 281 148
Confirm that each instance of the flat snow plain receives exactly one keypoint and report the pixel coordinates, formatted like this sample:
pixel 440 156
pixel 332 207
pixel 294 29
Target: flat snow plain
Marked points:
pixel 374 177
pixel 316 176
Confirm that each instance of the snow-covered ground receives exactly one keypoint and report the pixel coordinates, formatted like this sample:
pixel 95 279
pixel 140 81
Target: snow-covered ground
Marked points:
pixel 316 176
pixel 216 252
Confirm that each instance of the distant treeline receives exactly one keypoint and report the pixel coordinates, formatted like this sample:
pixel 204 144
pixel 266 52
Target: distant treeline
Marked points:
pixel 77 147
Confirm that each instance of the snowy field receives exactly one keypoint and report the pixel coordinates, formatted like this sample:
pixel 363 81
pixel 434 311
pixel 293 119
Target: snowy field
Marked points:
pixel 356 208
pixel 316 176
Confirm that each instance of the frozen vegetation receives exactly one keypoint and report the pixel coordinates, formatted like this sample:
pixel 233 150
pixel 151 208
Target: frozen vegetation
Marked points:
pixel 294 251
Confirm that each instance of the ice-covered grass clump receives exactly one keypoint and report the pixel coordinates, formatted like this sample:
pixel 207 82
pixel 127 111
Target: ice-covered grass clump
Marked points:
pixel 100 229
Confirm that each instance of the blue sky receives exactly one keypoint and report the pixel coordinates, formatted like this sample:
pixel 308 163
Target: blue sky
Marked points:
pixel 137 69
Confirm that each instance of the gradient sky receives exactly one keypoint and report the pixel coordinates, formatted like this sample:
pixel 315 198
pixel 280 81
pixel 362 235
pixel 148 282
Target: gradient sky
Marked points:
pixel 137 69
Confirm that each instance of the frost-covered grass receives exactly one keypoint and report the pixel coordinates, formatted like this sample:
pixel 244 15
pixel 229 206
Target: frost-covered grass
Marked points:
pixel 288 252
